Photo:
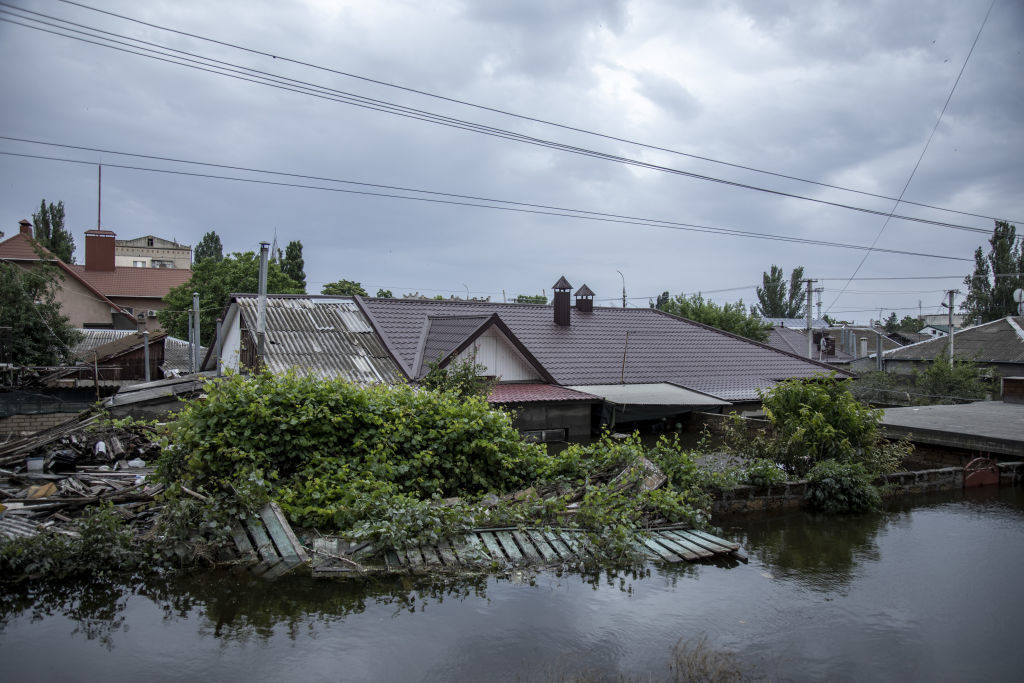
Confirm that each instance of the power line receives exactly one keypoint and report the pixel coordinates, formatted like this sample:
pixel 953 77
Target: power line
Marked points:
pixel 509 113
pixel 280 82
pixel 927 143
pixel 559 212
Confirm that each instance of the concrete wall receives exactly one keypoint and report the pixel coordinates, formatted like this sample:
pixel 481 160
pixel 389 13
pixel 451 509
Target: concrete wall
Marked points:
pixel 790 495
pixel 17 426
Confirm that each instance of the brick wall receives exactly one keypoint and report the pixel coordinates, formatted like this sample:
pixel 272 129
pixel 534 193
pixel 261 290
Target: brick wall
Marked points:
pixel 17 426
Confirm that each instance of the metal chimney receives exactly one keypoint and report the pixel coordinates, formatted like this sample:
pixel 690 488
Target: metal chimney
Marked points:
pixel 584 300
pixel 562 289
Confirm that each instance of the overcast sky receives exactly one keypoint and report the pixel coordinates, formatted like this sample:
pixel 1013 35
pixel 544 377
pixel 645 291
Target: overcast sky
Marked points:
pixel 840 93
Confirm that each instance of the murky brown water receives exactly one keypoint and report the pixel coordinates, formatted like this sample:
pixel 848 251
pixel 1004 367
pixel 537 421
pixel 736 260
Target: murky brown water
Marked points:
pixel 928 590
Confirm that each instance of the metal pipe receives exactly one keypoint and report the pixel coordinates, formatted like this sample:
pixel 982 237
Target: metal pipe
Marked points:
pixel 145 351
pixel 261 319
pixel 218 346
pixel 198 337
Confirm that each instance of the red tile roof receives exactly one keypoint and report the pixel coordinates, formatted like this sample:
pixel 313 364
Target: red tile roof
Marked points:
pixel 21 248
pixel 530 393
pixel 125 281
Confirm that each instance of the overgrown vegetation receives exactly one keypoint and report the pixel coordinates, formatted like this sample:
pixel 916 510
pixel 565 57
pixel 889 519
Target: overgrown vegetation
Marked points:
pixel 730 317
pixel 817 429
pixel 936 383
pixel 463 378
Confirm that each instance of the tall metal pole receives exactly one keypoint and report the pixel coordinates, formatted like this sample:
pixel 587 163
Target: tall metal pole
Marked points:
pixel 197 337
pixel 261 318
pixel 810 335
pixel 951 293
pixel 219 345
pixel 623 287
pixel 145 351
pixel 191 343
pixel 99 194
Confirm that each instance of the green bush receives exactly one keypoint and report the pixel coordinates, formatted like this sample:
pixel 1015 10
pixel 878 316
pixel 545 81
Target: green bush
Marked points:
pixel 324 447
pixel 838 487
pixel 763 472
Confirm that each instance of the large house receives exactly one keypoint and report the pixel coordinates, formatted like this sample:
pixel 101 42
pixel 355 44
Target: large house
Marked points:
pixel 563 368
pixel 99 294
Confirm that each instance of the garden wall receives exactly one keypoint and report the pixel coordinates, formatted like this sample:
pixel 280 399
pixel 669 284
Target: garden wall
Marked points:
pixel 790 494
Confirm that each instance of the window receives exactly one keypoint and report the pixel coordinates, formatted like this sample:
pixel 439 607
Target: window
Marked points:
pixel 149 241
pixel 162 264
pixel 138 264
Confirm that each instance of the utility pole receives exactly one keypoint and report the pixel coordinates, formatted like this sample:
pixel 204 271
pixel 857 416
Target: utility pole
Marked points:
pixel 810 335
pixel 623 287
pixel 950 294
pixel 819 291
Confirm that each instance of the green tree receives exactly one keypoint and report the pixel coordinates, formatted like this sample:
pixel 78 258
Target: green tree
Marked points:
pixel 215 281
pixel 39 333
pixel 662 301
pixel 385 294
pixel 293 265
pixel 50 232
pixel 892 323
pixel 731 317
pixel 774 301
pixel 344 288
pixel 910 324
pixel 464 378
pixel 990 287
pixel 531 299
pixel 209 247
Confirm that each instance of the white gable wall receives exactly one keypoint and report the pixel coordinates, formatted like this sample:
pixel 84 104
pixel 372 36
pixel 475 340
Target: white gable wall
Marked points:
pixel 494 351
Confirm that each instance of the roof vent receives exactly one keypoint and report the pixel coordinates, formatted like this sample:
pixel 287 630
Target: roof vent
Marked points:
pixel 584 300
pixel 562 289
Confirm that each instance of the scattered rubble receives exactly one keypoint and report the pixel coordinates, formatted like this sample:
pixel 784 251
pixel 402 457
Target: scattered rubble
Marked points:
pixel 49 478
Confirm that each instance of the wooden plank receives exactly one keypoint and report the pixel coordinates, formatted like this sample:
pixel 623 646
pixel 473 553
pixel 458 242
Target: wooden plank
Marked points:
pixel 470 550
pixel 714 548
pixel 392 559
pixel 278 514
pixel 558 545
pixel 715 539
pixel 275 570
pixel 412 554
pixel 277 534
pixel 572 543
pixel 493 548
pixel 444 549
pixel 264 546
pixel 661 551
pixel 543 546
pixel 430 555
pixel 683 539
pixel 677 547
pixel 526 545
pixel 509 544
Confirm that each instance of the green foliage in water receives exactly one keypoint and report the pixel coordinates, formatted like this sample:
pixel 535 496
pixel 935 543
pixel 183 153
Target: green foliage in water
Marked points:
pixel 763 472
pixel 936 383
pixel 327 449
pixel 841 487
pixel 810 421
pixel 103 545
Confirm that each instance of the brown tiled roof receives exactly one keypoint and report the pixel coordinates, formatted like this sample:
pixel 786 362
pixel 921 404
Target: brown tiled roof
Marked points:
pixel 21 248
pixel 534 393
pixel 1000 341
pixel 661 347
pixel 143 282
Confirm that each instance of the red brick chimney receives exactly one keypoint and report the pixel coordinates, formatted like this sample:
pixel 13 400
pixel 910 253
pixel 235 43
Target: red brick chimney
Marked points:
pixel 562 289
pixel 99 249
pixel 26 227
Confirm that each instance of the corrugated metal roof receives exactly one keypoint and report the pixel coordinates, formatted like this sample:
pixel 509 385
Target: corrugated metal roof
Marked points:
pixel 661 347
pixel 655 394
pixel 322 337
pixel 175 350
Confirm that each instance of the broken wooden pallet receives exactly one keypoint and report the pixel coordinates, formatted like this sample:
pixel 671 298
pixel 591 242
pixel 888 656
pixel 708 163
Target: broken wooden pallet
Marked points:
pixel 269 543
pixel 510 547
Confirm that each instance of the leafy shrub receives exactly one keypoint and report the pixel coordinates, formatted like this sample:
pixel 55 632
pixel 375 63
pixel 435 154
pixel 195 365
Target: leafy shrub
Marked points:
pixel 937 382
pixel 323 446
pixel 763 472
pixel 838 487
pixel 463 378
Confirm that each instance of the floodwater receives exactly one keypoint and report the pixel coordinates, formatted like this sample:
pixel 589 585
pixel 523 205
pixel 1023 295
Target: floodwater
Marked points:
pixel 928 590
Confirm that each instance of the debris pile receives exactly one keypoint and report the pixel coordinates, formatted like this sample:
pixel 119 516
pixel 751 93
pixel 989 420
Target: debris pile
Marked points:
pixel 48 479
